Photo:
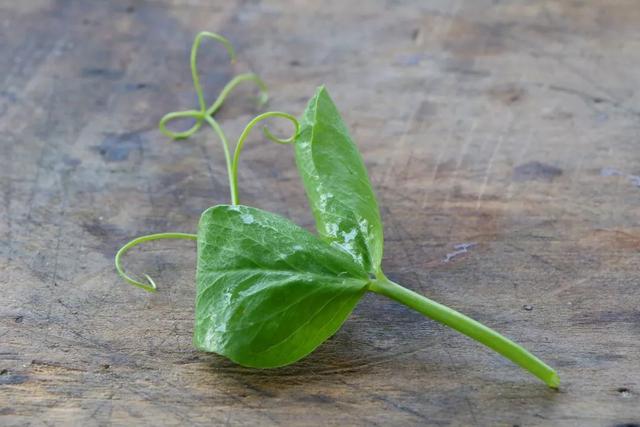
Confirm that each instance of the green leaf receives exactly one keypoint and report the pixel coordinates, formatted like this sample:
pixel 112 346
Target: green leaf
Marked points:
pixel 337 184
pixel 268 291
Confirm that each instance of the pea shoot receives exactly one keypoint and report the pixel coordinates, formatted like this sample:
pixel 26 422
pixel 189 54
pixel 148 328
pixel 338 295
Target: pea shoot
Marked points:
pixel 268 291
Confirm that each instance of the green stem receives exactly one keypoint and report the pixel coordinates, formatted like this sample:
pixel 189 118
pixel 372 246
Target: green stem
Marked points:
pixel 233 188
pixel 468 327
pixel 151 286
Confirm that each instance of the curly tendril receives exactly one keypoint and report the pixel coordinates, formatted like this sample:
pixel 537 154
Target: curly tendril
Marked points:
pixel 151 285
pixel 204 114
pixel 200 115
pixel 268 134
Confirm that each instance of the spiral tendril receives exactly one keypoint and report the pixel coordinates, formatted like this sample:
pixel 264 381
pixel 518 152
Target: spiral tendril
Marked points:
pixel 267 134
pixel 206 114
pixel 150 286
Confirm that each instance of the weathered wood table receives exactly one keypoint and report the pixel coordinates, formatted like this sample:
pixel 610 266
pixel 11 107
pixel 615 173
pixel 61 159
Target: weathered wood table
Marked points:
pixel 513 127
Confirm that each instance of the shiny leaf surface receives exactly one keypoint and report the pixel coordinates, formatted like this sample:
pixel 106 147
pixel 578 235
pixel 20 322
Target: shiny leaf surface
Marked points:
pixel 337 184
pixel 268 291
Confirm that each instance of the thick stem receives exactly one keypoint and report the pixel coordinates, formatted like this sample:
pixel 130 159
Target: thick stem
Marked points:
pixel 468 327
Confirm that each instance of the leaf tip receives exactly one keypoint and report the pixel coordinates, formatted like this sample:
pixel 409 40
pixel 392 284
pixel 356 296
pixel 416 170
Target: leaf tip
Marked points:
pixel 322 90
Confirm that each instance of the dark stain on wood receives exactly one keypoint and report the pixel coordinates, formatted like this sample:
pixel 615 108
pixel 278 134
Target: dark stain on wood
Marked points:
pixel 508 94
pixel 99 229
pixel 116 147
pixel 103 73
pixel 13 379
pixel 535 170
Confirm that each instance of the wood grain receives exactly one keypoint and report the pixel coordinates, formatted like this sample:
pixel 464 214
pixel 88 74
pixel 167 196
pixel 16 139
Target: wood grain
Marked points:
pixel 511 125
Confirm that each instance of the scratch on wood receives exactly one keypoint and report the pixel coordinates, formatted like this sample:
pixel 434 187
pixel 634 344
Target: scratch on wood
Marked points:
pixel 465 148
pixel 494 152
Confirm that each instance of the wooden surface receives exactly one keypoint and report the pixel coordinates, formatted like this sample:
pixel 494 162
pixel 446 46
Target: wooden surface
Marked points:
pixel 511 125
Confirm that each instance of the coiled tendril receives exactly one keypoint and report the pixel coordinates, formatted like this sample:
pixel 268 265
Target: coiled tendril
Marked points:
pixel 206 114
pixel 151 285
pixel 199 115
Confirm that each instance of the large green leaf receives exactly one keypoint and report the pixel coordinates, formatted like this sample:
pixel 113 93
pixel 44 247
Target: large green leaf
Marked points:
pixel 268 291
pixel 337 184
